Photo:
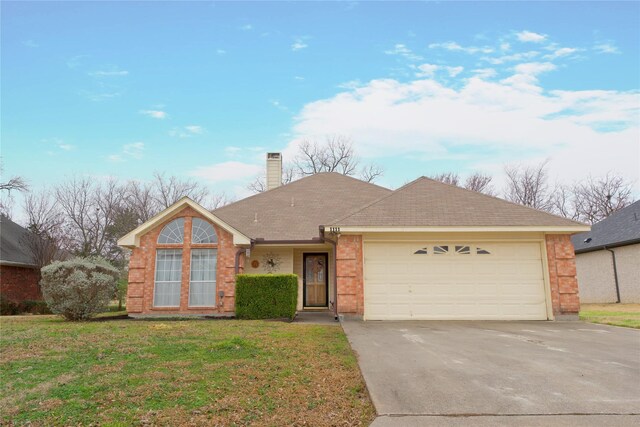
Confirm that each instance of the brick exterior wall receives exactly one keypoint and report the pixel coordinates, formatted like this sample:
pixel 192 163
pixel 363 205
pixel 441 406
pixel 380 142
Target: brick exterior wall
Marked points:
pixel 19 284
pixel 142 270
pixel 349 271
pixel 561 259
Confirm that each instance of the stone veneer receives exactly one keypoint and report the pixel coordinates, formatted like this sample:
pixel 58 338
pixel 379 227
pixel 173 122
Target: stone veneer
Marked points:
pixel 142 271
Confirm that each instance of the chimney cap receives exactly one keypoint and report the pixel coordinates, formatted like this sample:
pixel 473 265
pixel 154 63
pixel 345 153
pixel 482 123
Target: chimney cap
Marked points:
pixel 274 155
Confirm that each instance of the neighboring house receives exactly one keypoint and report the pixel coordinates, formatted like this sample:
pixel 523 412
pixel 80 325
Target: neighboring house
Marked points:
pixel 19 274
pixel 608 258
pixel 427 250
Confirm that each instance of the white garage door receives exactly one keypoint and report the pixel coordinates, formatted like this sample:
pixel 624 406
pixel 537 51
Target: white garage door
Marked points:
pixel 445 280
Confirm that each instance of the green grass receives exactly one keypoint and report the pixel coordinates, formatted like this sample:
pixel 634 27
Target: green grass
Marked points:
pixel 196 372
pixel 627 315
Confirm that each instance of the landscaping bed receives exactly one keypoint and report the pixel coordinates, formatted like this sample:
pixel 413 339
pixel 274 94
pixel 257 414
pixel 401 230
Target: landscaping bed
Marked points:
pixel 191 372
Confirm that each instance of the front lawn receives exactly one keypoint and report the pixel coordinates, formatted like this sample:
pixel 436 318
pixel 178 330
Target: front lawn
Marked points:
pixel 612 314
pixel 190 372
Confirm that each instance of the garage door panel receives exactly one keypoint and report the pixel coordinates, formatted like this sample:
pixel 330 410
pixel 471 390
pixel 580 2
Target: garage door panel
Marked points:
pixel 506 283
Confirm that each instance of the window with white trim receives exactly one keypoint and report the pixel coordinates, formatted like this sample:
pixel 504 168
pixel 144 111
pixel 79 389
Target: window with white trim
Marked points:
pixel 172 232
pixel 202 286
pixel 203 232
pixel 168 278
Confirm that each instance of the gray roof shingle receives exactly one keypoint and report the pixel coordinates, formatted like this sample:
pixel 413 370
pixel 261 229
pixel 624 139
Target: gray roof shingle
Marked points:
pixel 426 203
pixel 13 244
pixel 620 228
pixel 296 210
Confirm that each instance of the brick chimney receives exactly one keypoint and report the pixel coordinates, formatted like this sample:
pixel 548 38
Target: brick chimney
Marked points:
pixel 274 170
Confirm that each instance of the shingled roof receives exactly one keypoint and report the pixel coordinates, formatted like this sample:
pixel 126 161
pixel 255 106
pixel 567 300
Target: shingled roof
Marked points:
pixel 296 210
pixel 429 203
pixel 13 244
pixel 619 229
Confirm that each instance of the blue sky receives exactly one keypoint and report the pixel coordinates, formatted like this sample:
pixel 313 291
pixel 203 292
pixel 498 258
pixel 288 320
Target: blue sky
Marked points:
pixel 204 89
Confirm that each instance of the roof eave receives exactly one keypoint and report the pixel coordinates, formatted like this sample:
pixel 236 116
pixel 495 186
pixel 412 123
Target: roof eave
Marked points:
pixel 132 239
pixel 17 264
pixel 608 246
pixel 566 229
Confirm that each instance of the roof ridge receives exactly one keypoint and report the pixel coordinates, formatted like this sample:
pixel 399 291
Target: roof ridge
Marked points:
pixel 363 207
pixel 297 181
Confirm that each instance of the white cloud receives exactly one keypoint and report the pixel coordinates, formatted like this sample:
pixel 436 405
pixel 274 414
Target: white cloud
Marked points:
pixel 76 61
pixel 221 51
pixel 485 73
pixel 427 70
pixel 109 73
pixel 195 129
pixel 299 44
pixel 187 131
pixel 299 78
pixel 531 37
pixel 484 124
pixel 606 48
pixel 227 171
pixel 246 27
pixel 403 51
pixel 562 52
pixel 454 71
pixel 156 114
pixel 276 103
pixel 515 57
pixel 135 150
pixel 455 47
pixel 66 147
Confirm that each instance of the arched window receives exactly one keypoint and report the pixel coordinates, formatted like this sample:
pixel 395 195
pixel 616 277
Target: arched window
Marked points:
pixel 203 232
pixel 172 232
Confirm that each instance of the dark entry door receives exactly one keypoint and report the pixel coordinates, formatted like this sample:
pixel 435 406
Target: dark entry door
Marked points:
pixel 316 285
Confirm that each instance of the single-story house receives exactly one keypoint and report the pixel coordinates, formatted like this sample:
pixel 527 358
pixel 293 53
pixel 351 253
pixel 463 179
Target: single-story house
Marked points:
pixel 427 250
pixel 19 274
pixel 608 258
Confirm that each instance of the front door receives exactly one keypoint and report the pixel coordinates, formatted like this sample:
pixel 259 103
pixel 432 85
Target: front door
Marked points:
pixel 316 285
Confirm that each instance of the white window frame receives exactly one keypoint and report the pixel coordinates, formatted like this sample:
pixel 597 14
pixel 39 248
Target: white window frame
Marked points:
pixel 214 281
pixel 156 281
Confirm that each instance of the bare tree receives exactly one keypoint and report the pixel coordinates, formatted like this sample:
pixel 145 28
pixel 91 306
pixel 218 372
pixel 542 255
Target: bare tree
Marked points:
pixel 140 198
pixel 90 210
pixel 334 155
pixel 597 198
pixel 45 221
pixel 563 201
pixel 216 200
pixel 529 186
pixel 169 190
pixel 259 184
pixel 16 183
pixel 479 182
pixel 370 173
pixel 451 178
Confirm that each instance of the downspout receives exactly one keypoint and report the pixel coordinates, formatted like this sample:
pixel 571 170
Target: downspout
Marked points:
pixel 334 272
pixel 615 273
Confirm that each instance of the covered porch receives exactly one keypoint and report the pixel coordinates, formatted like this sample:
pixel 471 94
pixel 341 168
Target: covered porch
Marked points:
pixel 312 263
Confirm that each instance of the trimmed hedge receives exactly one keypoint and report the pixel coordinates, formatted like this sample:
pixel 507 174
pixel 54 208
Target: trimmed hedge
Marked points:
pixel 10 308
pixel 266 296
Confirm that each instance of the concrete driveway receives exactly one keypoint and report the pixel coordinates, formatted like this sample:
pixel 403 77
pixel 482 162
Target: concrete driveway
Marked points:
pixel 499 373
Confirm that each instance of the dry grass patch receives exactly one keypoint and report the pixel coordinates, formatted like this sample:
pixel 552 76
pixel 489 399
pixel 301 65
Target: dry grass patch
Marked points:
pixel 627 315
pixel 125 372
